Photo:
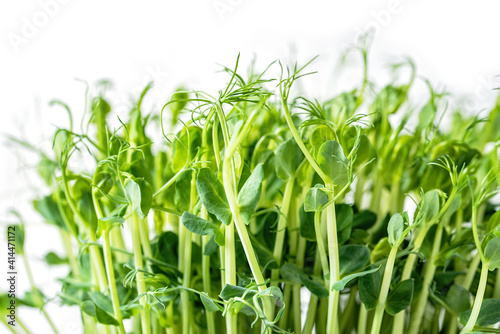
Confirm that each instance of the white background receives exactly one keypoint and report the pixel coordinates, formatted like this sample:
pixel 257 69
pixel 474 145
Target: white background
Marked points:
pixel 45 47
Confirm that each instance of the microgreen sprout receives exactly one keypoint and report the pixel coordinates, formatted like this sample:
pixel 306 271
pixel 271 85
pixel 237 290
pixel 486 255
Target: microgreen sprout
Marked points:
pixel 256 204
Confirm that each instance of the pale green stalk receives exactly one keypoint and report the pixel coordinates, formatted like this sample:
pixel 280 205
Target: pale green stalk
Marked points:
pixel 399 319
pixel 108 260
pixel 362 320
pixel 483 280
pixel 429 270
pixel 141 285
pixel 313 301
pixel 332 326
pixel 384 290
pixel 37 292
pixel 281 229
pixel 112 282
pixel 229 187
pixel 321 247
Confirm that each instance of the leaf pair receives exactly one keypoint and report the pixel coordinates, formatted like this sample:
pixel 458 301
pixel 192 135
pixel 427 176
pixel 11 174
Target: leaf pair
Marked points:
pixel 399 298
pixel 213 196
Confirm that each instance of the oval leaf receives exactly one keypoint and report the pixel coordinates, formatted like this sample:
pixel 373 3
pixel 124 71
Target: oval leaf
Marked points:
pixel 249 195
pixel 333 162
pixel 212 195
pixel 352 258
pixel 400 297
pixel 201 226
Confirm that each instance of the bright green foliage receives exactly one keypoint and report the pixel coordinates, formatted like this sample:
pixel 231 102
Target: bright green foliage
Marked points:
pixel 400 297
pixel 238 211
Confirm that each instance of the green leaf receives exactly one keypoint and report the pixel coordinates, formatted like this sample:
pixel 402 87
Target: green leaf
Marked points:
pixel 488 315
pixel 292 272
pixel 186 145
pixel 102 301
pixel 395 229
pixel 307 224
pixel 230 291
pixel 179 100
pixel 107 223
pixel 344 217
pixel 104 183
pixel 492 253
pixel 340 285
pixel 352 258
pixel 333 163
pixel 47 207
pixel 209 304
pixel 369 289
pixel 182 192
pixel 458 299
pixel 249 195
pixel 400 297
pixel 146 196
pixel 201 226
pixel 430 205
pixel 133 194
pixel 102 317
pixel 320 135
pixel 288 158
pixel 493 222
pixel 364 219
pixel 315 199
pixel 212 195
pixel 52 259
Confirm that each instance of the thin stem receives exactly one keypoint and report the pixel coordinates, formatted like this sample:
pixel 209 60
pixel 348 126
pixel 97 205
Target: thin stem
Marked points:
pixel 230 274
pixel 301 144
pixel 112 282
pixel 37 292
pixel 282 226
pixel 313 301
pixel 141 285
pixel 9 327
pixel 333 253
pixel 321 245
pixel 363 320
pixel 429 270
pixel 108 260
pixel 384 291
pixel 478 301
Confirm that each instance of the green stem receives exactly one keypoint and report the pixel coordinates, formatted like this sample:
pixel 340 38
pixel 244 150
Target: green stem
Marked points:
pixel 429 270
pixel 229 187
pixel 95 256
pixel 9 327
pixel 321 246
pixel 23 326
pixel 66 239
pixel 478 301
pixel 145 243
pixel 399 320
pixel 467 282
pixel 37 292
pixel 108 260
pixel 363 320
pixel 230 274
pixel 333 252
pixel 112 282
pixel 207 284
pixel 346 321
pixel 301 144
pixel 141 285
pixel 313 301
pixel 282 226
pixel 384 291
